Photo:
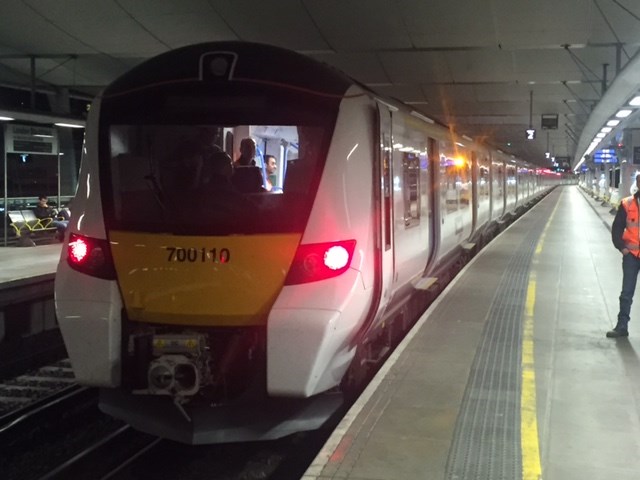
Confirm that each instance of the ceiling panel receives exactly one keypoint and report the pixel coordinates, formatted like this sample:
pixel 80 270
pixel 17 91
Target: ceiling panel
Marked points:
pixel 28 30
pixel 473 63
pixel 360 24
pixel 416 67
pixel 285 23
pixel 365 67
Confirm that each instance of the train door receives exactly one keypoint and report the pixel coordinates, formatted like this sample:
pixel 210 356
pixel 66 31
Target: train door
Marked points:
pixel 385 193
pixel 474 191
pixel 483 189
pixel 498 186
pixel 434 201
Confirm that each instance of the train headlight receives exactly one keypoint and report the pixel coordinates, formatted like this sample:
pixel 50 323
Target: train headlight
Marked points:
pixel 336 257
pixel 91 256
pixel 319 261
pixel 78 250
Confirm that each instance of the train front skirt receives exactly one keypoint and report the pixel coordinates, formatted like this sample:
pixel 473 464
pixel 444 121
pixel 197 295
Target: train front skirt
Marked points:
pixel 271 419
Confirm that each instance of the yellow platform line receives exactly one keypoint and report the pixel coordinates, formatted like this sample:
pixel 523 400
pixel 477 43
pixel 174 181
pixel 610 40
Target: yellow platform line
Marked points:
pixel 529 443
pixel 531 468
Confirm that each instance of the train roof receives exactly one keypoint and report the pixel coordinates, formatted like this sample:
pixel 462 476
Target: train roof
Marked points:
pixel 251 61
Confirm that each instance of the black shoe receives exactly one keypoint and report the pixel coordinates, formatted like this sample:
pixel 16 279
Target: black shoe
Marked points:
pixel 617 333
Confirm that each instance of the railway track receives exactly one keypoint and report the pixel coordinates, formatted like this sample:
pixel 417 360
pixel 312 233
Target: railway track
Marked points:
pixel 33 390
pixel 51 428
pixel 105 457
pixel 126 454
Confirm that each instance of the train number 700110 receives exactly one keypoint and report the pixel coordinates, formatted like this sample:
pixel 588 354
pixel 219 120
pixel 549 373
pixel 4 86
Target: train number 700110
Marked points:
pixel 203 254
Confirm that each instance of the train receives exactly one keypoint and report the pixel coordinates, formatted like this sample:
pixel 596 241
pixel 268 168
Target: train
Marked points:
pixel 215 298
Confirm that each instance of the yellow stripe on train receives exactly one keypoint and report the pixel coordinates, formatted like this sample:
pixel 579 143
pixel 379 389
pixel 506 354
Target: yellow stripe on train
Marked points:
pixel 198 280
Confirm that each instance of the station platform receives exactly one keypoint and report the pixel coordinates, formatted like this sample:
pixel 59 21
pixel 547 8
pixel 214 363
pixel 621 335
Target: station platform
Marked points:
pixel 28 327
pixel 21 264
pixel 508 374
pixel 27 272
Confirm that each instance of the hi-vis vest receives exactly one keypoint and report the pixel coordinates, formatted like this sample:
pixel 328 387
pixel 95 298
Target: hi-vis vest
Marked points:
pixel 631 235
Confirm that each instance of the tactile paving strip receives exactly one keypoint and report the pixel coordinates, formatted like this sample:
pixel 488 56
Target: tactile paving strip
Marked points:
pixel 486 444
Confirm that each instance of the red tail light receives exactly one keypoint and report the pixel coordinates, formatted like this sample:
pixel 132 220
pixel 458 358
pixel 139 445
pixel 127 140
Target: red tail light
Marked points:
pixel 319 261
pixel 91 256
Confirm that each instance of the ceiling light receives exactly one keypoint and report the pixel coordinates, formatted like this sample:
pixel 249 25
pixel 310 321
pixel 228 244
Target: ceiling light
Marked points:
pixel 601 135
pixel 70 125
pixel 635 101
pixel 6 119
pixel 613 123
pixel 606 129
pixel 624 113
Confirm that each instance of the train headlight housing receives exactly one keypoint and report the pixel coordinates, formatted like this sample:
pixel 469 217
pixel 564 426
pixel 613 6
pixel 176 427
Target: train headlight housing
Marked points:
pixel 91 256
pixel 319 261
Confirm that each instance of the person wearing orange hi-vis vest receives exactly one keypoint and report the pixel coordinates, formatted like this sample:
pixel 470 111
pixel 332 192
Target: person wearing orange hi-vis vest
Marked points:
pixel 625 234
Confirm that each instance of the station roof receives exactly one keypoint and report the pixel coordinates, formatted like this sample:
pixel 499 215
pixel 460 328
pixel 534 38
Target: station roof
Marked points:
pixel 492 68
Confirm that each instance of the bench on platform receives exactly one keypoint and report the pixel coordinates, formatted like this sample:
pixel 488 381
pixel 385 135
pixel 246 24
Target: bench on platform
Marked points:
pixel 26 226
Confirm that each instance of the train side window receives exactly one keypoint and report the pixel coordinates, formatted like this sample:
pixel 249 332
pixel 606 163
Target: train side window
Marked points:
pixel 411 173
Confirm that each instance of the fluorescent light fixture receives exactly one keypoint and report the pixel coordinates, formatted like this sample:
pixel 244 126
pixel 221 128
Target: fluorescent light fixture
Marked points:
pixel 601 135
pixel 606 129
pixel 612 123
pixel 7 119
pixel 41 135
pixel 70 125
pixel 624 113
pixel 421 117
pixel 460 144
pixel 635 101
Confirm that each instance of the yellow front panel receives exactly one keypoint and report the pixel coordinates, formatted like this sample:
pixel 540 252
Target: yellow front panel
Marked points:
pixel 212 281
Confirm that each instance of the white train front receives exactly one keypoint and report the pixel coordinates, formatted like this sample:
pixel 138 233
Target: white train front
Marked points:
pixel 217 302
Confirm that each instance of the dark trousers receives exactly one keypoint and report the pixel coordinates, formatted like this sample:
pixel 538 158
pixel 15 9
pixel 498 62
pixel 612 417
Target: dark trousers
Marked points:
pixel 630 269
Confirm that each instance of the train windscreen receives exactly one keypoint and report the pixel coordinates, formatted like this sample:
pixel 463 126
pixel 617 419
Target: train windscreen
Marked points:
pixel 214 179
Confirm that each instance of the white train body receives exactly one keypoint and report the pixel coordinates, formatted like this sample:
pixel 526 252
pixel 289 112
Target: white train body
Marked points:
pixel 200 324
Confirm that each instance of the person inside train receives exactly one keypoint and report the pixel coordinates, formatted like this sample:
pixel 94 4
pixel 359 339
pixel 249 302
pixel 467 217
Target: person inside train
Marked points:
pixel 44 211
pixel 218 170
pixel 208 141
pixel 247 177
pixel 625 234
pixel 247 152
pixel 270 167
pixel 188 174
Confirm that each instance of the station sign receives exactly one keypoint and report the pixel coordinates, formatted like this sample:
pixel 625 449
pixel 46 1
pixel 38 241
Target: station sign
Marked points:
pixel 606 155
pixel 30 139
pixel 549 121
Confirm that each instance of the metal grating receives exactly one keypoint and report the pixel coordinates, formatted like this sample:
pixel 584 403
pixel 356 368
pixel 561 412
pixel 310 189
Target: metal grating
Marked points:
pixel 486 444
